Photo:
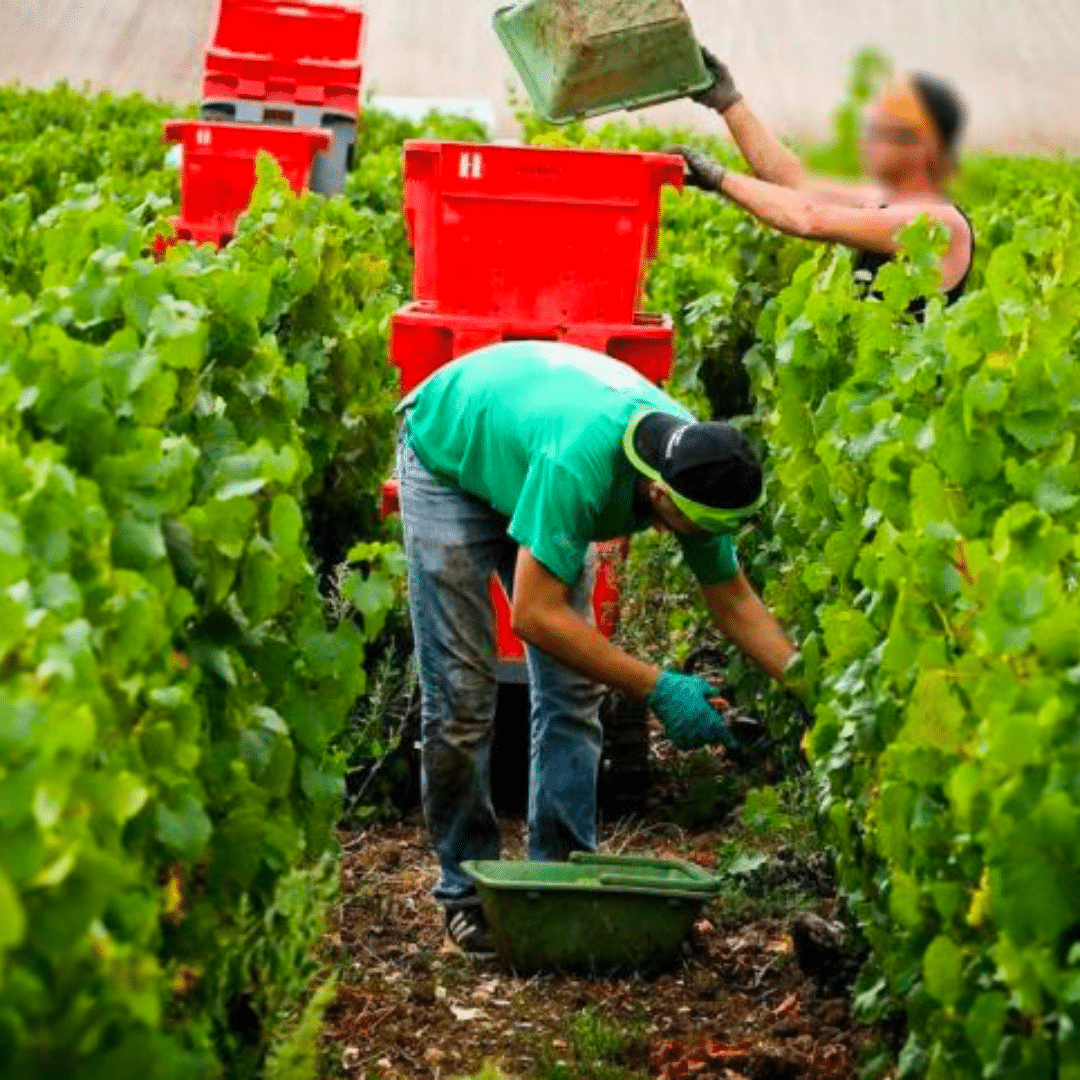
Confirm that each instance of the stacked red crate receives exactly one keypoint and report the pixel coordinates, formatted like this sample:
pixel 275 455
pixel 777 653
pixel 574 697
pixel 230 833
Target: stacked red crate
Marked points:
pixel 304 54
pixel 517 242
pixel 283 78
pixel 532 243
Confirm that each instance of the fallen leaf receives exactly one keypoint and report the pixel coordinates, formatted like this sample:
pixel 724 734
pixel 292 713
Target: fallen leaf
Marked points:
pixel 790 1004
pixel 464 1014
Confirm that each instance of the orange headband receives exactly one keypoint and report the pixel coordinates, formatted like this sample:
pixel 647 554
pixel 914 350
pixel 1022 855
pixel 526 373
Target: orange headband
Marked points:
pixel 902 103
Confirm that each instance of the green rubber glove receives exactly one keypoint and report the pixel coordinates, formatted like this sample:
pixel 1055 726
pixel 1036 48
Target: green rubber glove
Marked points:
pixel 722 94
pixel 681 704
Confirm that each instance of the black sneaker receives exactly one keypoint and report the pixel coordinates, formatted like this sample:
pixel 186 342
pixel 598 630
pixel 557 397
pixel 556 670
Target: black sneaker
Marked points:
pixel 467 928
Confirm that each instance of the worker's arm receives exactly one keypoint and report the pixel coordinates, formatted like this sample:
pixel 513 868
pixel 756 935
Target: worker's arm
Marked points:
pixel 741 616
pixel 543 615
pixel 770 160
pixel 864 229
pixel 800 214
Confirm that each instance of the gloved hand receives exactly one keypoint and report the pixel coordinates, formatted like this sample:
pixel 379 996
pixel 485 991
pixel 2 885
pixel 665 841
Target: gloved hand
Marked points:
pixel 703 172
pixel 722 94
pixel 681 704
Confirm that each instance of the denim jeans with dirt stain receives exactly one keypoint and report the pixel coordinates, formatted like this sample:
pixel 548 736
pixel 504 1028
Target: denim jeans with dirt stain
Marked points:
pixel 454 543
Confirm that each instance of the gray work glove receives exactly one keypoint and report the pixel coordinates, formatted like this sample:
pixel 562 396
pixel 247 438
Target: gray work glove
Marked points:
pixel 701 171
pixel 722 94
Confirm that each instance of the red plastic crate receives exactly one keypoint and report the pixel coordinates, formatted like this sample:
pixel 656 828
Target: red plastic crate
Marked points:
pixel 422 340
pixel 304 54
pixel 534 233
pixel 190 234
pixel 219 169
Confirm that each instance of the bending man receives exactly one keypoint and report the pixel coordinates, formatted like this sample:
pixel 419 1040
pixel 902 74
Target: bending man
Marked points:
pixel 910 141
pixel 513 461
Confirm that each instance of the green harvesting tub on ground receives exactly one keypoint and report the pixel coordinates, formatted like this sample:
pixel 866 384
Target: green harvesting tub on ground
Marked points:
pixel 580 58
pixel 596 913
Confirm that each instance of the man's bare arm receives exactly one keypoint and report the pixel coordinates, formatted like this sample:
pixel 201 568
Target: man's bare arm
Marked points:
pixel 543 615
pixel 741 616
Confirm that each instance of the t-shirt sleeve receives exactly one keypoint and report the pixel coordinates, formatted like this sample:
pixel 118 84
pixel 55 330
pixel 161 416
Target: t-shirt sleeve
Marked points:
pixel 553 520
pixel 713 561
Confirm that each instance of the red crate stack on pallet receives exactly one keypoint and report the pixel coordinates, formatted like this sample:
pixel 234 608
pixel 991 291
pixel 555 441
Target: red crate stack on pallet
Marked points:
pixel 519 243
pixel 290 64
pixel 280 78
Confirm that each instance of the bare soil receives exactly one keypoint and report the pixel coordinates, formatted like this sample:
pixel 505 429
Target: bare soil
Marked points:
pixel 412 1006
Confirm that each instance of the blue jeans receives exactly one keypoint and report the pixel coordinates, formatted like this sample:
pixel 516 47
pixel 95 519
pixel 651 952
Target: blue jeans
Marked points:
pixel 454 543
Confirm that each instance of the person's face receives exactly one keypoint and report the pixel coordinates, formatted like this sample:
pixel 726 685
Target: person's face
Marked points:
pixel 667 517
pixel 894 148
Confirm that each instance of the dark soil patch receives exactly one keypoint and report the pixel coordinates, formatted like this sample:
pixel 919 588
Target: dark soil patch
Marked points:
pixel 411 1006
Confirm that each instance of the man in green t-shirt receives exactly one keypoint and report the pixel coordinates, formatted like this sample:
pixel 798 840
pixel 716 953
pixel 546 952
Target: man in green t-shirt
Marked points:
pixel 514 460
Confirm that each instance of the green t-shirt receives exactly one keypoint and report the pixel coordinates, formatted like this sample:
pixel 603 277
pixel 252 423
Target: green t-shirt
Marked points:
pixel 535 430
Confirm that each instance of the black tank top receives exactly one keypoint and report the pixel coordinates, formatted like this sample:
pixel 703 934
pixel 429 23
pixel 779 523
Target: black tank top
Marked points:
pixel 872 261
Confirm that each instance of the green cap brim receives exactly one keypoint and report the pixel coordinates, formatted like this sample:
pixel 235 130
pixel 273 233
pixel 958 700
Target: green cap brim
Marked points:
pixel 711 518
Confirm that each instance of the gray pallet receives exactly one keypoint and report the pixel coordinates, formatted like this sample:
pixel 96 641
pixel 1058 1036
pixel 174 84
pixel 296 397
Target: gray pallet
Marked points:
pixel 331 168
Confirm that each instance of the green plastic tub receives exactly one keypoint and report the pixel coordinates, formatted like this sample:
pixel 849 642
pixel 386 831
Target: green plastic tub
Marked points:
pixel 579 58
pixel 597 913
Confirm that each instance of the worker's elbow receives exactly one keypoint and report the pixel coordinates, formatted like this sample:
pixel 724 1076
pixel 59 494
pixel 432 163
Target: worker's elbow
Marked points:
pixel 805 221
pixel 527 622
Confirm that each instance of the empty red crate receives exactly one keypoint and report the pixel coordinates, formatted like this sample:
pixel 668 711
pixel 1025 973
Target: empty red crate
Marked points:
pixel 219 168
pixel 422 340
pixel 534 232
pixel 306 54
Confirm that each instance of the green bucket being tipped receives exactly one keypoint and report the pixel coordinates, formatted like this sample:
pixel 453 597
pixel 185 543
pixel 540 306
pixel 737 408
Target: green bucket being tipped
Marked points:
pixel 580 58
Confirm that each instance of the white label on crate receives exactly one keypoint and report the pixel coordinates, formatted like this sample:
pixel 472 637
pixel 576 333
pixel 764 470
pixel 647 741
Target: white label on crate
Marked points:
pixel 471 166
pixel 204 136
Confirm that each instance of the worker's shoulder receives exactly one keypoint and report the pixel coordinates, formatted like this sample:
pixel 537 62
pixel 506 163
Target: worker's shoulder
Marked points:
pixel 558 360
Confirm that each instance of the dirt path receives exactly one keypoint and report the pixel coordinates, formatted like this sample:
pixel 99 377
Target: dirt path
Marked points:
pixel 411 1006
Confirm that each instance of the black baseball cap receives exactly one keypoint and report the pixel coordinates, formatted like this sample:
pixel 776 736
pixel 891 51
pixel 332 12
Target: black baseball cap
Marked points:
pixel 710 469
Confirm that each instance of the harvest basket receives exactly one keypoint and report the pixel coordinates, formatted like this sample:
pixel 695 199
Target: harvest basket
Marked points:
pixel 596 913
